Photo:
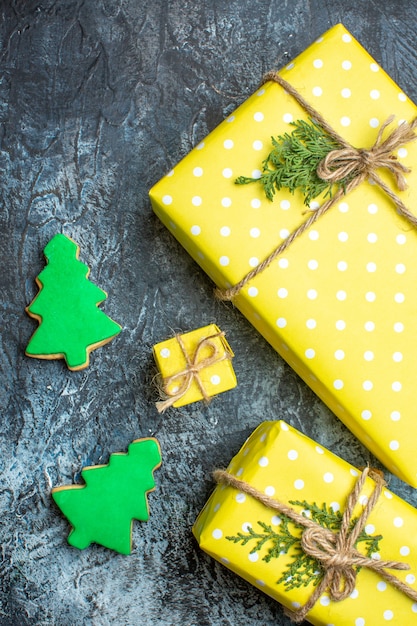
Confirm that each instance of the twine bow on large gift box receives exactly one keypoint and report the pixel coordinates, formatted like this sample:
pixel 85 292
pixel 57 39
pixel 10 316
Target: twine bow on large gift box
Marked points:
pixel 331 285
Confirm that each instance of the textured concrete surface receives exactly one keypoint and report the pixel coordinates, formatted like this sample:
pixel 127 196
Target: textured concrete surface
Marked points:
pixel 97 100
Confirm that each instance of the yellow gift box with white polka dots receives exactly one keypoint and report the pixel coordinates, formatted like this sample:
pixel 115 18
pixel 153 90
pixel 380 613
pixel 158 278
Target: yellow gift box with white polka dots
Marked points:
pixel 340 305
pixel 286 465
pixel 216 377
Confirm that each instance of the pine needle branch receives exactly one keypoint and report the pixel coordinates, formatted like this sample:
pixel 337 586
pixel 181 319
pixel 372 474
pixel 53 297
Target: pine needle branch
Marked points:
pixel 293 161
pixel 302 569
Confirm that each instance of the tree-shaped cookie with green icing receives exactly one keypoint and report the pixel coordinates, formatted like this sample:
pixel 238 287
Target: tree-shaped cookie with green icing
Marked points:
pixel 70 323
pixel 102 511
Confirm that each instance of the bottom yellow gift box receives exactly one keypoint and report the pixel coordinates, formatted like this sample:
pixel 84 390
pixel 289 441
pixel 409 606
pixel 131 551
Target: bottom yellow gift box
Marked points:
pixel 293 562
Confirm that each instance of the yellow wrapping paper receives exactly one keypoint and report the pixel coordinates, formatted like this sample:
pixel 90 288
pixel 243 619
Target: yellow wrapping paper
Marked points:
pixel 285 464
pixel 340 305
pixel 215 378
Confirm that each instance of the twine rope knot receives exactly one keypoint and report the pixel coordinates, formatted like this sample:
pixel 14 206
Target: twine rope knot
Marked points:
pixel 360 163
pixel 355 164
pixel 194 365
pixel 335 551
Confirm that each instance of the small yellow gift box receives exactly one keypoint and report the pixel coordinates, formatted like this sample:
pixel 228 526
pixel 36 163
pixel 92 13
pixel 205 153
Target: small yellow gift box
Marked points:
pixel 194 366
pixel 340 304
pixel 280 465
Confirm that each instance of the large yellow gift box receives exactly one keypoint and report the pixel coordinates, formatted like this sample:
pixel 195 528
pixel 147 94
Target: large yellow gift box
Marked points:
pixel 261 546
pixel 340 304
pixel 194 366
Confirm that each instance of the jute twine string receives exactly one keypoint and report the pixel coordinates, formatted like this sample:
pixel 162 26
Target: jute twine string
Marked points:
pixel 335 552
pixel 191 372
pixel 358 163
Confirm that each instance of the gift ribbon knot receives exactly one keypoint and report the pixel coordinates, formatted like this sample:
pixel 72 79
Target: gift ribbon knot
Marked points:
pixel 360 163
pixel 194 365
pixel 335 551
pixel 357 164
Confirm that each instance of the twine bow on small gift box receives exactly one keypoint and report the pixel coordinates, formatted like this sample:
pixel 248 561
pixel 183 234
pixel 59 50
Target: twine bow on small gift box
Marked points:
pixel 210 350
pixel 316 159
pixel 336 559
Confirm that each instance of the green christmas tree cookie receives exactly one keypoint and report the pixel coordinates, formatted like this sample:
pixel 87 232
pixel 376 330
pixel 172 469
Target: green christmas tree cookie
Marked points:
pixel 70 322
pixel 102 511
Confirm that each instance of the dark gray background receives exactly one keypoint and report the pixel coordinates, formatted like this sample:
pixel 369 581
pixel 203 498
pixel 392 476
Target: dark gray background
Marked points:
pixel 98 99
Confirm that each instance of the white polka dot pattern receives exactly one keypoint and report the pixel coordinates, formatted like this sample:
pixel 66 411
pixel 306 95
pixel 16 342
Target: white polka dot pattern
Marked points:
pixel 283 463
pixel 341 301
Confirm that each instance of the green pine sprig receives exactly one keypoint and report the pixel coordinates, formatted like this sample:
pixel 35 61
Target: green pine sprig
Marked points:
pixel 302 569
pixel 281 542
pixel 292 163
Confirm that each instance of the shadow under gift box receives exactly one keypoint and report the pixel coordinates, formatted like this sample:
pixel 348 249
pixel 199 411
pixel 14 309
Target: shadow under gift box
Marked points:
pixel 340 304
pixel 282 462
